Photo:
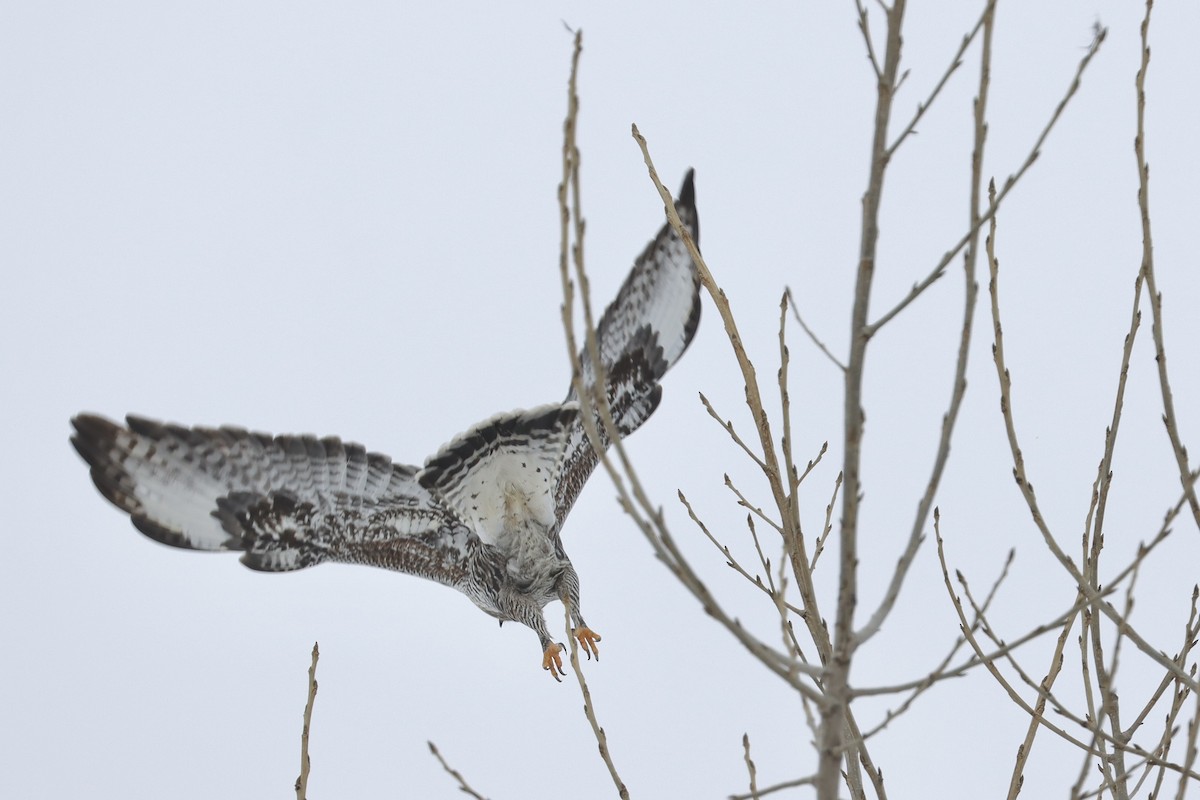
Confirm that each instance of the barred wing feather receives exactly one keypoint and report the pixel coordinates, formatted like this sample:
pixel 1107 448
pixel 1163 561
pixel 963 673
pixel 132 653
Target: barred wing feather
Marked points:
pixel 287 502
pixel 642 334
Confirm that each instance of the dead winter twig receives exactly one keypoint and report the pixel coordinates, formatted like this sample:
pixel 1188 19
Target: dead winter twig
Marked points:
pixel 463 786
pixel 305 763
pixel 940 268
pixel 567 212
pixel 1147 270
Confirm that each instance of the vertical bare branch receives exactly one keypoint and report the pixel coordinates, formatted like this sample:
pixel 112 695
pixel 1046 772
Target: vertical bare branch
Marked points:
pixel 831 743
pixel 865 28
pixel 1160 352
pixel 302 780
pixel 754 795
pixel 589 710
pixel 959 386
pixel 567 211
pixel 1190 758
pixel 955 63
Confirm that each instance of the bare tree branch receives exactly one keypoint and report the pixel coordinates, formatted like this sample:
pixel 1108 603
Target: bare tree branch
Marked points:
pixel 940 269
pixel 831 741
pixel 955 63
pixel 754 795
pixel 728 426
pixel 589 710
pixel 820 345
pixel 1160 351
pixel 778 787
pixel 463 786
pixel 733 563
pixel 864 27
pixel 305 763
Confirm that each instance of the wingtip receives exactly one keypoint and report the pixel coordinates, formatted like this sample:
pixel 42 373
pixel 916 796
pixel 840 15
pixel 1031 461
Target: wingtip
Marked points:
pixel 86 423
pixel 687 204
pixel 93 437
pixel 687 192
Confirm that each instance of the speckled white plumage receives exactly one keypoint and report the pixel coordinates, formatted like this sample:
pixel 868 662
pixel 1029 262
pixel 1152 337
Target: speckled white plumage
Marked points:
pixel 483 516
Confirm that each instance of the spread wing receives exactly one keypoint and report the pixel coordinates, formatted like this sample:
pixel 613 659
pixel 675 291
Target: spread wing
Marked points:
pixel 285 502
pixel 503 470
pixel 642 333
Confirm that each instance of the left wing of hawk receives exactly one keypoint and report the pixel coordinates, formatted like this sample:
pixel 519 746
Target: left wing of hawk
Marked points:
pixel 285 502
pixel 642 334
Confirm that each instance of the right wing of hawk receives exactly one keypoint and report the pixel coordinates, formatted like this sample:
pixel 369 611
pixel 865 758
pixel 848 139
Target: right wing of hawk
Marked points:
pixel 642 334
pixel 286 502
pixel 503 470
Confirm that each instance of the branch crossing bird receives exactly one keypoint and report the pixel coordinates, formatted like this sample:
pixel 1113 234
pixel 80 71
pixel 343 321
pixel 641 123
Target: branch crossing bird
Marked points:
pixel 484 515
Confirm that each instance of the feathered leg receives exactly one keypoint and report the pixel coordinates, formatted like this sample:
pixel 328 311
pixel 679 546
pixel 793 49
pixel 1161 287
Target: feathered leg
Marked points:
pixel 586 637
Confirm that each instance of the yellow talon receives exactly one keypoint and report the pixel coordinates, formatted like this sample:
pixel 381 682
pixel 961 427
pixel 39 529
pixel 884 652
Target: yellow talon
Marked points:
pixel 552 657
pixel 552 660
pixel 587 642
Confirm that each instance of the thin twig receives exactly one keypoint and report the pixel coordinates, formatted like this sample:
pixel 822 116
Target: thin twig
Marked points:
pixel 1160 352
pixel 1028 494
pixel 778 787
pixel 594 411
pixel 754 795
pixel 1190 758
pixel 866 32
pixel 570 179
pixel 973 661
pixel 940 268
pixel 305 763
pixel 955 63
pixel 728 426
pixel 785 409
pixel 939 673
pixel 855 748
pixel 988 662
pixel 1190 632
pixel 746 504
pixel 819 547
pixel 820 345
pixel 589 710
pixel 1016 697
pixel 733 563
pixel 959 386
pixel 462 783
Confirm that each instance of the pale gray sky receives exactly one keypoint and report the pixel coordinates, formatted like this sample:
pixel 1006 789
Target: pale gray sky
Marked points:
pixel 340 219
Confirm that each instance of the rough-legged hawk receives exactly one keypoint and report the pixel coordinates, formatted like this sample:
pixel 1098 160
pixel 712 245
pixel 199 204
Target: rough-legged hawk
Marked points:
pixel 484 515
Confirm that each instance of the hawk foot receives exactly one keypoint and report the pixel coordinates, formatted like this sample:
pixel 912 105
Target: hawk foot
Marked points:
pixel 552 656
pixel 552 660
pixel 587 641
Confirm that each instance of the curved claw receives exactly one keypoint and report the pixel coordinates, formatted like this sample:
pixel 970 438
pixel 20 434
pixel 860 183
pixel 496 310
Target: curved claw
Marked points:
pixel 587 641
pixel 552 660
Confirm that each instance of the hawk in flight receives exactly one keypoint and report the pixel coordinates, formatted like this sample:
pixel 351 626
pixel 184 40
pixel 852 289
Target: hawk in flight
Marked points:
pixel 485 513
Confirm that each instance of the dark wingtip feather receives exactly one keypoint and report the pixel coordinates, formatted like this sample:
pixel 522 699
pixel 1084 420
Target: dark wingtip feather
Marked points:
pixel 687 193
pixel 142 426
pixel 686 204
pixel 95 440
pixel 93 434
